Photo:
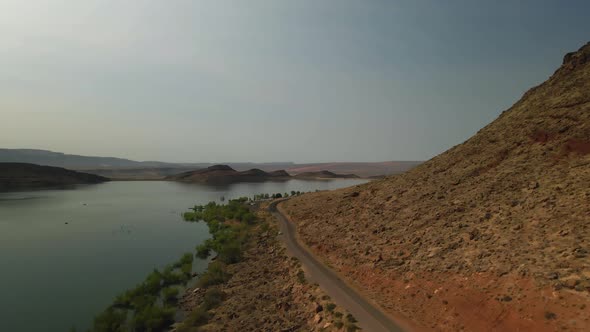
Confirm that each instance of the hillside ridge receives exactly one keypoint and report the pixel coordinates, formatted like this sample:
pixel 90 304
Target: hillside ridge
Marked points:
pixel 491 234
pixel 16 176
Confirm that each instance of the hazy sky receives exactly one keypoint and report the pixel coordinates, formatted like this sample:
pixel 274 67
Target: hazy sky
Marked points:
pixel 246 80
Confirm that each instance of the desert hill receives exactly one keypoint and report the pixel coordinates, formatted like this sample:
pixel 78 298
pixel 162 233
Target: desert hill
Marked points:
pixel 225 174
pixel 324 175
pixel 25 176
pixel 362 169
pixel 493 234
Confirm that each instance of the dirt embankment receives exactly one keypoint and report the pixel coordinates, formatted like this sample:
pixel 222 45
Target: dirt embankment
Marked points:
pixel 268 291
pixel 493 234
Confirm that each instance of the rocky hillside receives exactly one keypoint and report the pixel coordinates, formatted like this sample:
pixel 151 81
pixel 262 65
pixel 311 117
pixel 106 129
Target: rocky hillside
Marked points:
pixel 24 176
pixel 493 234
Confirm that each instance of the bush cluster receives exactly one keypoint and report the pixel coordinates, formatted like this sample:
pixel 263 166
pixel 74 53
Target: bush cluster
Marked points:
pixel 139 309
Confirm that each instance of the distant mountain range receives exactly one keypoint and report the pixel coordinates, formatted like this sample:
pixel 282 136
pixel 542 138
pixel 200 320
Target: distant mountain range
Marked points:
pixel 505 212
pixel 119 168
pixel 58 159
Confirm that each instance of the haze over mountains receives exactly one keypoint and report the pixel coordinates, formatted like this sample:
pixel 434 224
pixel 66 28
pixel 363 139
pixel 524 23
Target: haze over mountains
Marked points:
pixel 492 234
pixel 125 168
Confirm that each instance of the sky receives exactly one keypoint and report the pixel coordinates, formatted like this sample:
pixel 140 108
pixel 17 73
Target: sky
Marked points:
pixel 271 80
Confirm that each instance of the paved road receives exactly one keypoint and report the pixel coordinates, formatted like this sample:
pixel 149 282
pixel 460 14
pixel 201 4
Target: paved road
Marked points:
pixel 369 317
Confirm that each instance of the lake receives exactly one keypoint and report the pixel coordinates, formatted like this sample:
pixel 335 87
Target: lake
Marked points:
pixel 55 276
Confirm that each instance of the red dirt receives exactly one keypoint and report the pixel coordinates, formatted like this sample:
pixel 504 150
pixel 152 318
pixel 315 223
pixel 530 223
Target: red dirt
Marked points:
pixel 578 146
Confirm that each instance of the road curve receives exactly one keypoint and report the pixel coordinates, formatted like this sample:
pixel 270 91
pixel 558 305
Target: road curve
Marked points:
pixel 369 317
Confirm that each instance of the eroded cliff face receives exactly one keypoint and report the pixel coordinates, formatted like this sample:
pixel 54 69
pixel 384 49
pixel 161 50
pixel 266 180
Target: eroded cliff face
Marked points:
pixel 492 234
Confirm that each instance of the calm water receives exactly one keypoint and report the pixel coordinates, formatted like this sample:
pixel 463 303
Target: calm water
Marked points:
pixel 54 275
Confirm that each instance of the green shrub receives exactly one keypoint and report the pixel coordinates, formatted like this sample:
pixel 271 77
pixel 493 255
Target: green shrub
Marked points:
pixel 111 320
pixel 301 277
pixel 152 283
pixel 170 277
pixel 213 298
pixel 189 216
pixel 230 253
pixel 170 295
pixel 186 270
pixel 338 314
pixel 351 318
pixel 187 258
pixel 203 251
pixel 249 218
pixel 330 307
pixel 153 318
pixel 214 275
pixel 142 301
pixel 198 317
pixel 352 328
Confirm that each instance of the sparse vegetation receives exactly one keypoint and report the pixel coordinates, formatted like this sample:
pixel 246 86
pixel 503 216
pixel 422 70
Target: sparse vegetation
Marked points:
pixel 301 277
pixel 351 328
pixel 138 309
pixel 170 295
pixel 150 306
pixel 330 307
pixel 350 318
pixel 213 298
pixel 214 275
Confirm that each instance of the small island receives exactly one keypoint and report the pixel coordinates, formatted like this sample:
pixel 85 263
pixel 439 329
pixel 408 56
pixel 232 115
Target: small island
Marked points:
pixel 323 175
pixel 223 174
